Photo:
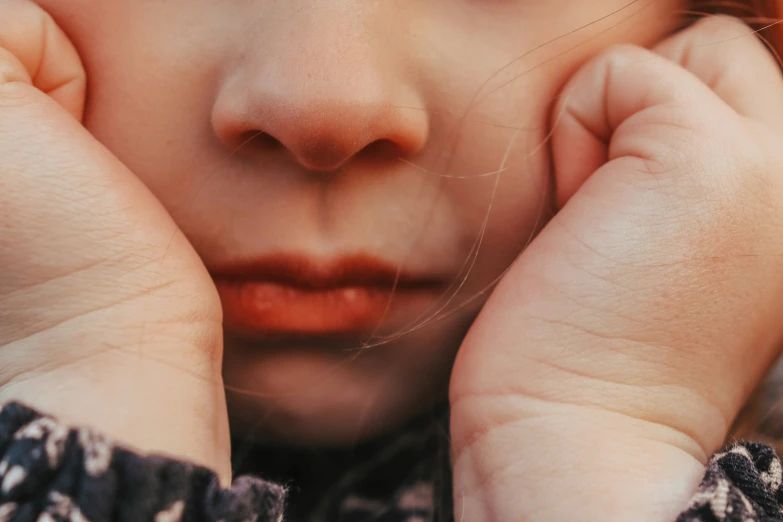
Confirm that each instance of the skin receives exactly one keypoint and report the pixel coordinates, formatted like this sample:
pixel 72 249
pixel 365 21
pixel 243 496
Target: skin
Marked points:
pixel 659 277
pixel 176 110
pixel 631 332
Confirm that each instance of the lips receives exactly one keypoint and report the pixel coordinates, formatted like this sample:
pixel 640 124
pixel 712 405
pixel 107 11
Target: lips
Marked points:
pixel 291 294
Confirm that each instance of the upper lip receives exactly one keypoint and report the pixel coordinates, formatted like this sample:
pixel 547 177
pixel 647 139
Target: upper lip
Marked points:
pixel 305 272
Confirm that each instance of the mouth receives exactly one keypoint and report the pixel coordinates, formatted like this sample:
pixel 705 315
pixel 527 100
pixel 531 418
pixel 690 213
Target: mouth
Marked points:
pixel 294 294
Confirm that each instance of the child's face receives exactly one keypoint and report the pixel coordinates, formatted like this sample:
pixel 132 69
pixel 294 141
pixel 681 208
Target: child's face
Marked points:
pixel 303 145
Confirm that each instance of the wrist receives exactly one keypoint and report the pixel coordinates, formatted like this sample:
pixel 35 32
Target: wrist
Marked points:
pixel 155 387
pixel 557 462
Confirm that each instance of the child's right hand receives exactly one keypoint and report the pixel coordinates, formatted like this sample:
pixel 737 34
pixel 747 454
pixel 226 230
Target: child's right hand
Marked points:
pixel 107 315
pixel 611 360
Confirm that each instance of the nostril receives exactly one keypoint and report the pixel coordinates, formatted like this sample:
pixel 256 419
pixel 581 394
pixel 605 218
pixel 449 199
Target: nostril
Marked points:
pixel 383 148
pixel 319 135
pixel 259 139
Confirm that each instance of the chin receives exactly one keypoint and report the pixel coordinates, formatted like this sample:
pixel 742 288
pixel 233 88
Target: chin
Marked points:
pixel 321 423
pixel 301 395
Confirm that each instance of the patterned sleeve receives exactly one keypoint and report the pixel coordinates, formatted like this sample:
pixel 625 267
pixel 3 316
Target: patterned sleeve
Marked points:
pixel 52 473
pixel 742 484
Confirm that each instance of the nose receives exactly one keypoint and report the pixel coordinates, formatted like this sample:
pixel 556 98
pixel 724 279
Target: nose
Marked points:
pixel 324 100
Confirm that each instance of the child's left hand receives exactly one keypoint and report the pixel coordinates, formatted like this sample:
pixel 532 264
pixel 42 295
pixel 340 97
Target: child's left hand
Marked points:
pixel 611 360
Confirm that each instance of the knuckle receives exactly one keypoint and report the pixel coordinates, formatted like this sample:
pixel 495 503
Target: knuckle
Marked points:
pixel 16 94
pixel 721 26
pixel 11 69
pixel 21 12
pixel 624 53
pixel 742 39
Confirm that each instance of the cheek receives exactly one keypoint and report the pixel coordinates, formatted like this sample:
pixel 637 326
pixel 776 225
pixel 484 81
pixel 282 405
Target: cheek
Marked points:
pixel 153 69
pixel 495 159
pixel 507 199
pixel 495 165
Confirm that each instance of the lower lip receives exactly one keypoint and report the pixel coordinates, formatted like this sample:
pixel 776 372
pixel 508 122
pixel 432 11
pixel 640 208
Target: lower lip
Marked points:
pixel 274 308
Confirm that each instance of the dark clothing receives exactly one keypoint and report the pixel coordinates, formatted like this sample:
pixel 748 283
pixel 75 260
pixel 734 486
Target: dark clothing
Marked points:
pixel 50 473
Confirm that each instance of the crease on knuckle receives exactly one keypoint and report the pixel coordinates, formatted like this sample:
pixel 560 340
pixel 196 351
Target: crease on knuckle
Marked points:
pixel 17 94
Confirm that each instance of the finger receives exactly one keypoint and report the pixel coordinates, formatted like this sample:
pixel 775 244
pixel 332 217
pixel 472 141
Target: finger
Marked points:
pixel 87 253
pixel 684 183
pixel 627 336
pixel 716 60
pixel 608 91
pixel 731 60
pixel 33 49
